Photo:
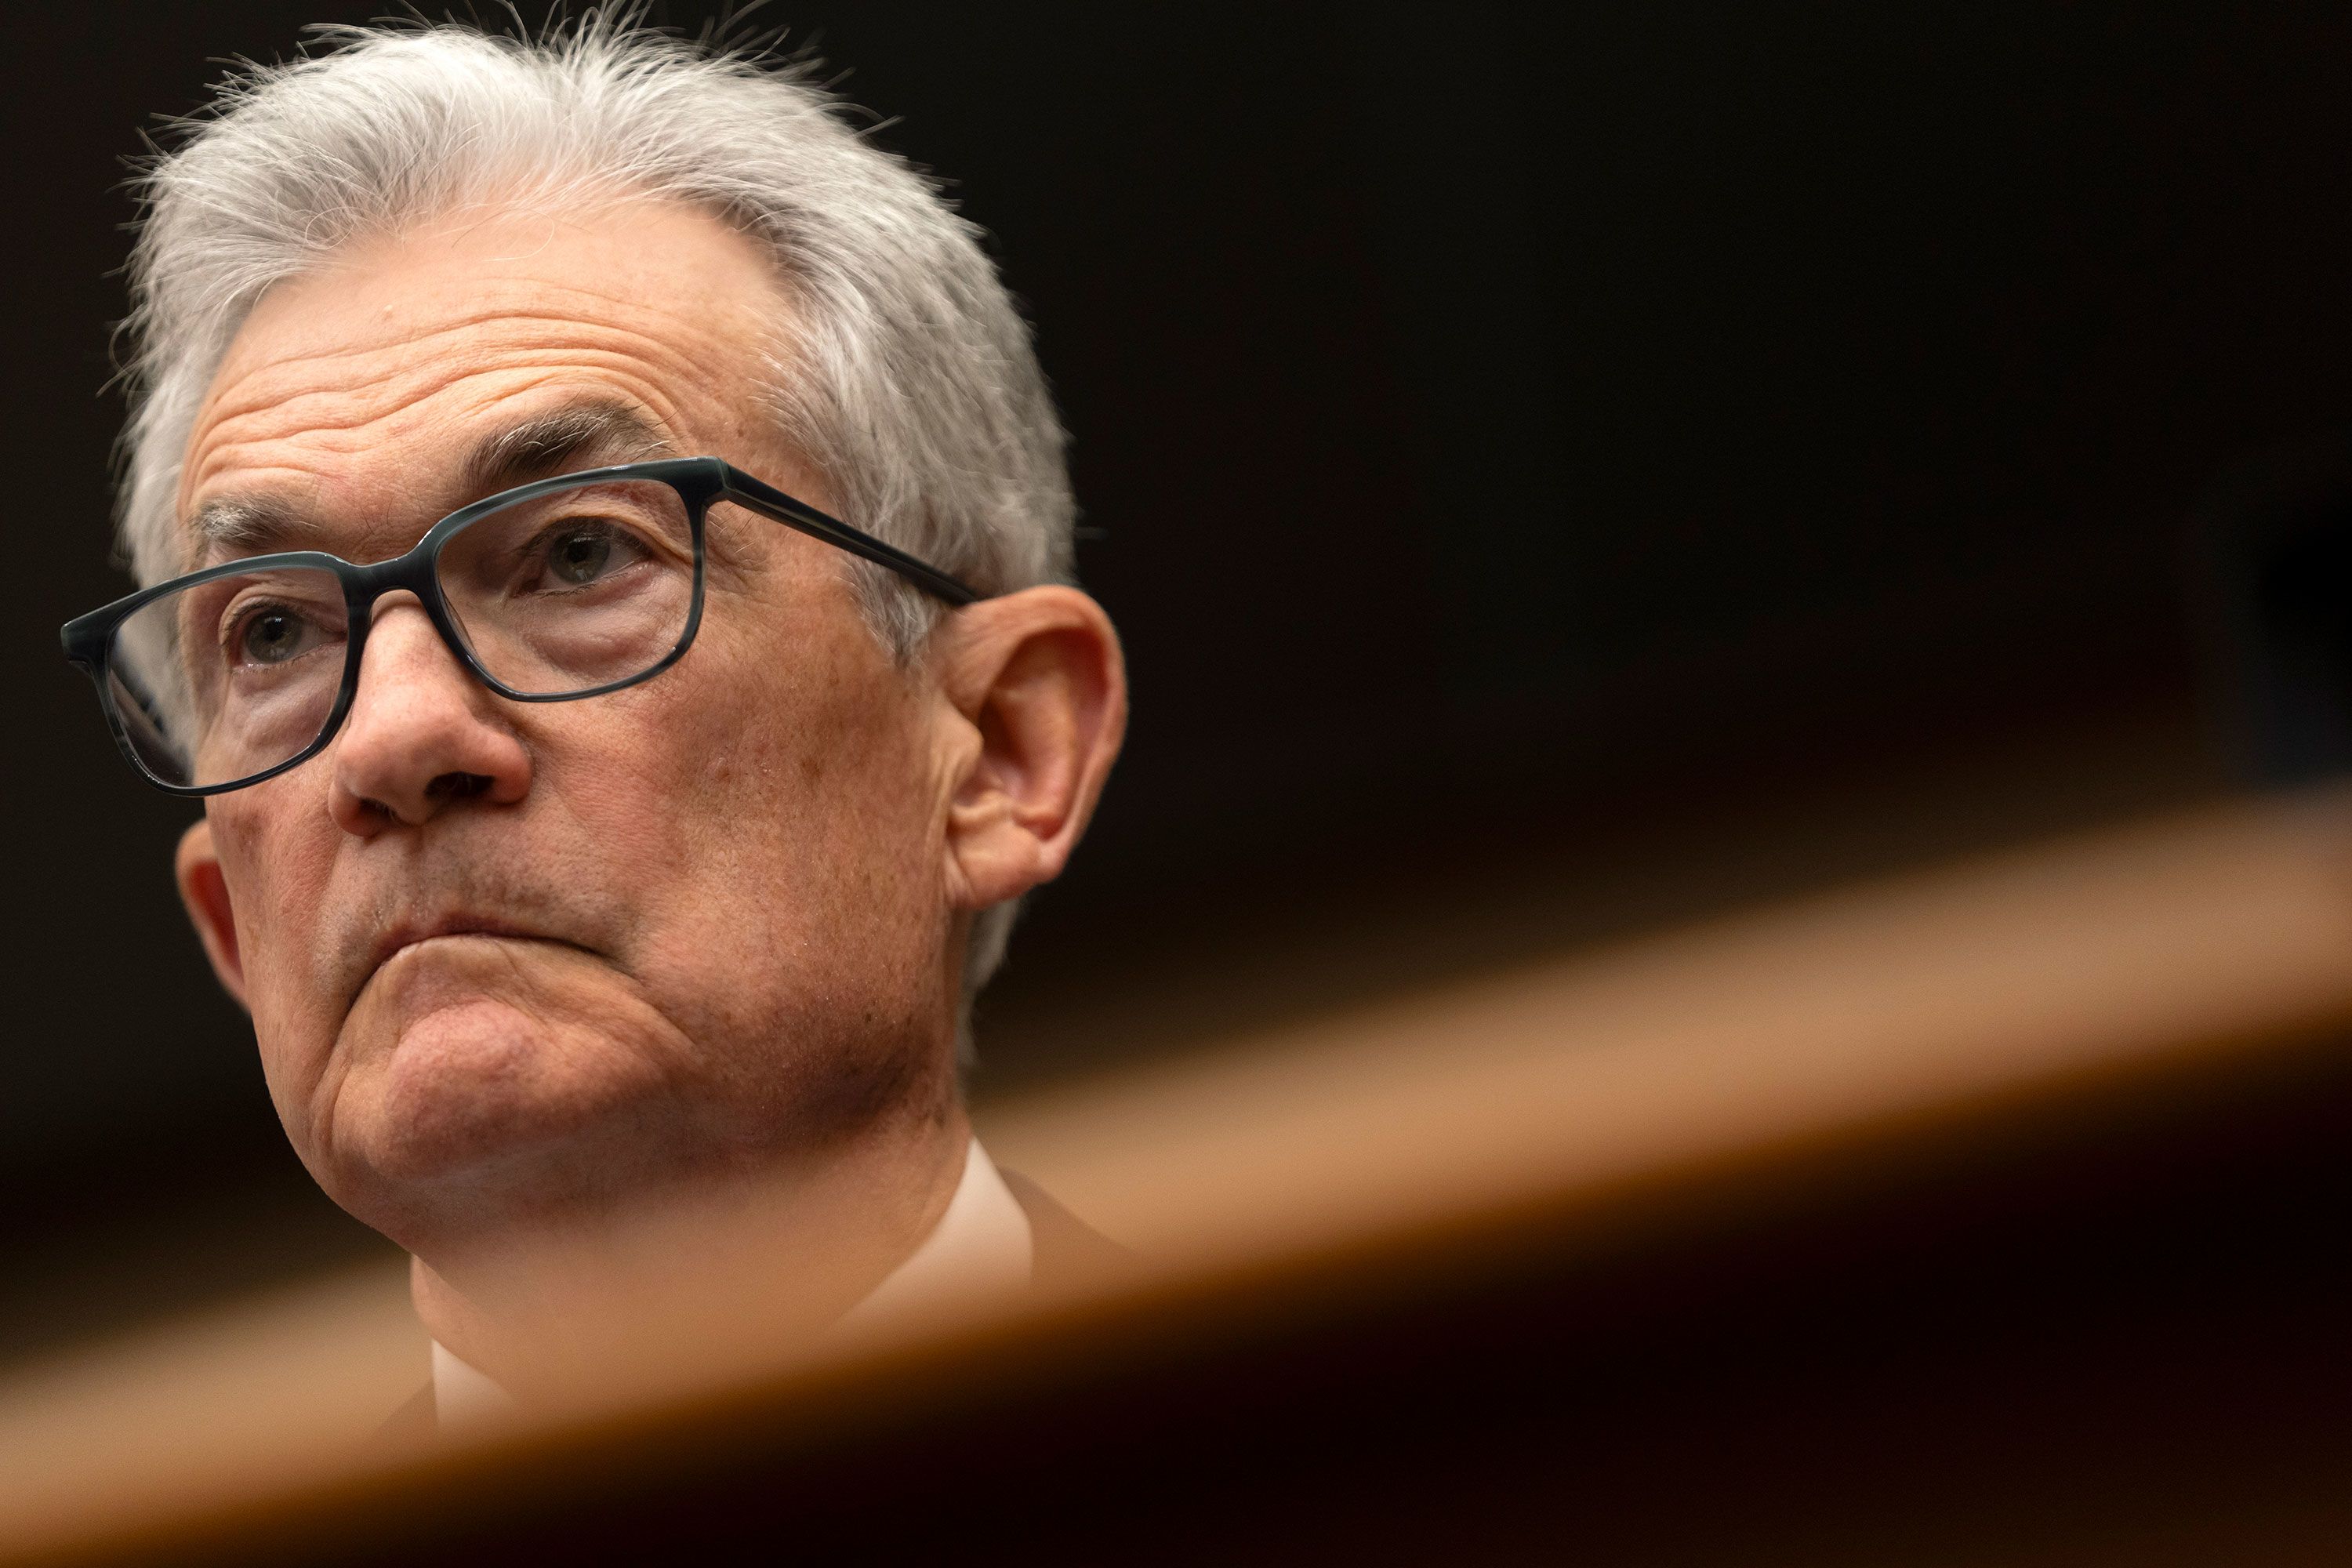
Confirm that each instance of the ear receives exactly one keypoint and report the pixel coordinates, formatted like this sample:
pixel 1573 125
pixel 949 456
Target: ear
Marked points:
pixel 1037 680
pixel 204 891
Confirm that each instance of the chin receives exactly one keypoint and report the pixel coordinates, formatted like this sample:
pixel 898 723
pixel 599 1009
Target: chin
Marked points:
pixel 485 1094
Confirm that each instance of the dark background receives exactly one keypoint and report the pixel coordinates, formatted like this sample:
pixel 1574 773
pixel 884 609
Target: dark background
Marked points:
pixel 1554 474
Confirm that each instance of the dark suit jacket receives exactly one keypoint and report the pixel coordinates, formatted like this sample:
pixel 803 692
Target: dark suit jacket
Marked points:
pixel 1066 1250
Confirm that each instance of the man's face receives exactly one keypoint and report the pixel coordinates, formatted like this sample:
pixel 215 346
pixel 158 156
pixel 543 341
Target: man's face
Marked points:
pixel 504 957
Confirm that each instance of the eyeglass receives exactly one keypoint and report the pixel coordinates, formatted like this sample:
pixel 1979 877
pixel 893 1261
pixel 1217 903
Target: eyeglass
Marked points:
pixel 550 591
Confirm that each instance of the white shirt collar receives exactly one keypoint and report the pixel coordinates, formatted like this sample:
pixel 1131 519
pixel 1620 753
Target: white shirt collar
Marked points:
pixel 981 1245
pixel 464 1394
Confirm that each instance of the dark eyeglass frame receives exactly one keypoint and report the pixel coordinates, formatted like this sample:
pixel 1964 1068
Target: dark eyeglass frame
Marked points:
pixel 88 639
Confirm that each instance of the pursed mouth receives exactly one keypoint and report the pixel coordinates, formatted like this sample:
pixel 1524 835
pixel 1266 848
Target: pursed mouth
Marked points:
pixel 400 940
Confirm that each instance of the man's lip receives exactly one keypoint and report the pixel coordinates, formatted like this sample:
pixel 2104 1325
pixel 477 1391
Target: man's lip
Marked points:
pixel 401 937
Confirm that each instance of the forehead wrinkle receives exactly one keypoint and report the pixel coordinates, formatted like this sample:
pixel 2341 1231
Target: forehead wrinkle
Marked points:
pixel 314 388
pixel 338 428
pixel 582 343
pixel 600 418
pixel 407 336
pixel 405 333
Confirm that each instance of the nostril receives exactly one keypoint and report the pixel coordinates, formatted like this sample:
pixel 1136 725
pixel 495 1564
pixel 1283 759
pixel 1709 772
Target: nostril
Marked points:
pixel 457 786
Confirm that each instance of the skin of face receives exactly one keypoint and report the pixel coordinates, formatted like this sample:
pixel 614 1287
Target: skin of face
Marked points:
pixel 512 967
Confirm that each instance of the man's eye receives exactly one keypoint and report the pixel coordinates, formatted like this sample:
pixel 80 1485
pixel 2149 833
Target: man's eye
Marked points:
pixel 579 554
pixel 269 634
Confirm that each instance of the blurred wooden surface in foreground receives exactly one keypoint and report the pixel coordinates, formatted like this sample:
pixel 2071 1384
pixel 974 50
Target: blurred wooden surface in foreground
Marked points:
pixel 1989 1215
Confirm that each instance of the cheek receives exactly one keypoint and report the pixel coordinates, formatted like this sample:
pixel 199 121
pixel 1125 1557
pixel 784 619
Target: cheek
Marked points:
pixel 795 822
pixel 277 847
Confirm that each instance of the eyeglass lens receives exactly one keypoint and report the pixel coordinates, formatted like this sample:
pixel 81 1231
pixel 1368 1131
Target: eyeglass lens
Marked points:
pixel 563 594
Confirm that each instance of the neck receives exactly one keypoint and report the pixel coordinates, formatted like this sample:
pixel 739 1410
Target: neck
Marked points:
pixel 732 1271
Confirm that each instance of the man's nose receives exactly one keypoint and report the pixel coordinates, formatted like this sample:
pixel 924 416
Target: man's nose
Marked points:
pixel 422 734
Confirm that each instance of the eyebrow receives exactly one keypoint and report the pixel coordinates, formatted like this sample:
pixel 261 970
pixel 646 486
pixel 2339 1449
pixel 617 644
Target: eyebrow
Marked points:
pixel 244 523
pixel 584 435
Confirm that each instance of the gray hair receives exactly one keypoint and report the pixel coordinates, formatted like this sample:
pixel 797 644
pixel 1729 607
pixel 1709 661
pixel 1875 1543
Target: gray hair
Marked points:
pixel 904 374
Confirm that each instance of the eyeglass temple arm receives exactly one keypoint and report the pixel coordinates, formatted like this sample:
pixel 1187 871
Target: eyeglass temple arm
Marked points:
pixel 774 504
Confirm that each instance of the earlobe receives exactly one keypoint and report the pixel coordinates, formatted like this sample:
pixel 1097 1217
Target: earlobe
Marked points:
pixel 204 891
pixel 1038 678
